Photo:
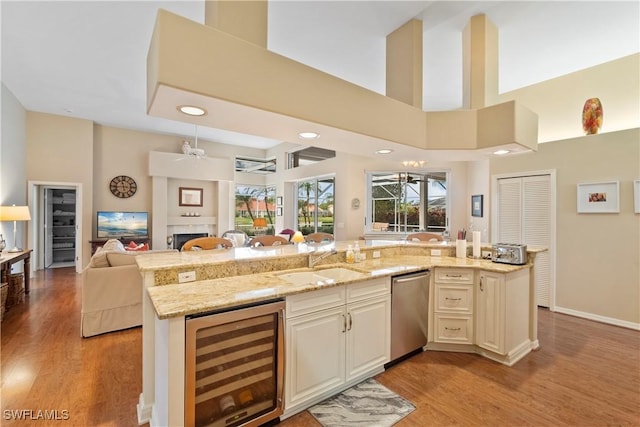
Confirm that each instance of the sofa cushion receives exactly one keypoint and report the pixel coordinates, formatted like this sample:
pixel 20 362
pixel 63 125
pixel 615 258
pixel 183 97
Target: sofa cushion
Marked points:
pixel 117 259
pixel 99 259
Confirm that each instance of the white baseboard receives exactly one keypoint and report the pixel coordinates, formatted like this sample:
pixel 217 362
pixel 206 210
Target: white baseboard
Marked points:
pixel 598 318
pixel 144 411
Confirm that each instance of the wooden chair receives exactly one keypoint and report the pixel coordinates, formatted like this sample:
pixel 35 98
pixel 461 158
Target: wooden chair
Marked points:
pixel 380 226
pixel 319 237
pixel 424 237
pixel 203 243
pixel 267 241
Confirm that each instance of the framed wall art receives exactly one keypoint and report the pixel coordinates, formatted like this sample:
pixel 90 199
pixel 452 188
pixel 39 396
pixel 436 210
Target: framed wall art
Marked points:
pixel 188 196
pixel 279 211
pixel 476 205
pixel 279 201
pixel 599 197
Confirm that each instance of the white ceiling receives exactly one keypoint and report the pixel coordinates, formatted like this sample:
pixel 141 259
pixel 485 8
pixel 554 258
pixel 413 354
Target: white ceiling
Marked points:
pixel 87 59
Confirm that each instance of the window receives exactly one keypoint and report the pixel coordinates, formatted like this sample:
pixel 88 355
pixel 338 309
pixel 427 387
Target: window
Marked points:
pixel 308 156
pixel 407 202
pixel 314 205
pixel 255 202
pixel 251 165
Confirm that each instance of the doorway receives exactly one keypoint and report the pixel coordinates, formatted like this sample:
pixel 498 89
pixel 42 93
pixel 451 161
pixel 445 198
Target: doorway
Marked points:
pixel 56 228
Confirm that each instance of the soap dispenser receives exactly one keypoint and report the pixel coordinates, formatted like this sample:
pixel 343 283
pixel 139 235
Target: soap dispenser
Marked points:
pixel 356 252
pixel 350 255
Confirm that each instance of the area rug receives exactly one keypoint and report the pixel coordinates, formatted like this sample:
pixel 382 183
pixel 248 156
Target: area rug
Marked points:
pixel 367 404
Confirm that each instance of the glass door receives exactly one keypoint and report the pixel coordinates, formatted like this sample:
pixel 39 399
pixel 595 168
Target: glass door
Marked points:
pixel 234 367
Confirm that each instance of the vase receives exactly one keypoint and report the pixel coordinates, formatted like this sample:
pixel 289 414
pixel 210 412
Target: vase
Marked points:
pixel 592 116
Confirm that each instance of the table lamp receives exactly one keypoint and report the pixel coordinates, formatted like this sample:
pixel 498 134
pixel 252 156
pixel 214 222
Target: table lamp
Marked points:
pixel 259 224
pixel 15 213
pixel 297 237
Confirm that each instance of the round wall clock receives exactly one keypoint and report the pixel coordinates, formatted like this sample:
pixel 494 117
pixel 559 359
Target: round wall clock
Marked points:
pixel 123 186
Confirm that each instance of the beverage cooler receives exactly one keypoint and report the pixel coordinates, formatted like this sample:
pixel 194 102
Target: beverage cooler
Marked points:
pixel 235 366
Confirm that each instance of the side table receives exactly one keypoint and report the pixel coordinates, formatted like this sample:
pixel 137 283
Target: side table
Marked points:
pixel 7 259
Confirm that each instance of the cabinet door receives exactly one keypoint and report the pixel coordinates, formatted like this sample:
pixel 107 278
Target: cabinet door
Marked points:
pixel 490 313
pixel 315 346
pixel 368 335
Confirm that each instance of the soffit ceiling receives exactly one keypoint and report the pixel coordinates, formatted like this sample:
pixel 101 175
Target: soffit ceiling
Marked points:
pixel 88 59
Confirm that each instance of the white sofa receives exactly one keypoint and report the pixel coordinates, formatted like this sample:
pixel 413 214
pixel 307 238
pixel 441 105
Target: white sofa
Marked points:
pixel 111 291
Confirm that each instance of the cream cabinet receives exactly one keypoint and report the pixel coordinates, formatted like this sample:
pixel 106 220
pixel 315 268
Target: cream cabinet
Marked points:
pixel 453 306
pixel 502 315
pixel 334 338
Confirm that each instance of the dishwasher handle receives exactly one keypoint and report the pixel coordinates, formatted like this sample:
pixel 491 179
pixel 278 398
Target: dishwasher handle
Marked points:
pixel 404 279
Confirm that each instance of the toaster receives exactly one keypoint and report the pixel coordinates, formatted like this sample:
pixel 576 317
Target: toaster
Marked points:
pixel 509 253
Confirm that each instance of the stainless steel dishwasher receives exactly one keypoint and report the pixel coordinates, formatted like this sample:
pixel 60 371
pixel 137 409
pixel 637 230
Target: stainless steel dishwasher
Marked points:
pixel 409 313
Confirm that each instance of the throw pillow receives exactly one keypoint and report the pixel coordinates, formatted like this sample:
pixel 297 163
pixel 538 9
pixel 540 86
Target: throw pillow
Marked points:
pixel 99 259
pixel 113 245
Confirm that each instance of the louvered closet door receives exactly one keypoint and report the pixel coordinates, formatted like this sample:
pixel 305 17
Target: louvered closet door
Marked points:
pixel 510 210
pixel 524 216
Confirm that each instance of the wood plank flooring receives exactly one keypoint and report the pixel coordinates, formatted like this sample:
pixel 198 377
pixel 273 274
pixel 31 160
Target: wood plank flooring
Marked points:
pixel 585 373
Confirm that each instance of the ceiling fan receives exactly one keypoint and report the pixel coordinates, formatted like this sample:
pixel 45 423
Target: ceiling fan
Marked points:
pixel 194 151
pixel 409 179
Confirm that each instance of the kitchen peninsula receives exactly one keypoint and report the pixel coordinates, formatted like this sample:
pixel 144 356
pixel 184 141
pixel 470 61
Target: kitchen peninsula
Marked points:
pixel 226 279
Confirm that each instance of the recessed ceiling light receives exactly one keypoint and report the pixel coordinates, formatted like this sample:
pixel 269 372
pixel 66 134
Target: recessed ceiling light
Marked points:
pixel 309 135
pixel 192 110
pixel 384 151
pixel 501 152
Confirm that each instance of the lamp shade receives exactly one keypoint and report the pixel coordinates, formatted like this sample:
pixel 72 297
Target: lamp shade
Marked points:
pixel 297 237
pixel 260 222
pixel 14 213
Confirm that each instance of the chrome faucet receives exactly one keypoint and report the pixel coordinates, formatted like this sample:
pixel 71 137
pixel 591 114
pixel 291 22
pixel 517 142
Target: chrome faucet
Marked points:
pixel 313 260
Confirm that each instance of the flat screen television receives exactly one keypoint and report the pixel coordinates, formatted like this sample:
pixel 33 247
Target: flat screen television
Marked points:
pixel 115 225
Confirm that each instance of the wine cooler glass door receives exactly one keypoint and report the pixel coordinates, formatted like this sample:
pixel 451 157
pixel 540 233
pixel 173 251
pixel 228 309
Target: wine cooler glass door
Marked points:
pixel 234 367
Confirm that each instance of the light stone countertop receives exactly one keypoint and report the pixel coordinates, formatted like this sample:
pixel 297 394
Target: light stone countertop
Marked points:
pixel 175 300
pixel 173 260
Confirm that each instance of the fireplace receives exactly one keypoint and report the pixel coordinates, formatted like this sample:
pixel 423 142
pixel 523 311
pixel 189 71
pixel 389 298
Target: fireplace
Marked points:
pixel 181 239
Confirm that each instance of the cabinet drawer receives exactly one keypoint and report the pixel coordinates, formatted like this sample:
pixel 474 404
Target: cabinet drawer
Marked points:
pixel 454 298
pixel 454 275
pixel 453 329
pixel 309 302
pixel 369 289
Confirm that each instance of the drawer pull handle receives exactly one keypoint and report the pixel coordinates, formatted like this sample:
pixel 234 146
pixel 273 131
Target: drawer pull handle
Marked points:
pixel 454 275
pixel 452 299
pixel 452 329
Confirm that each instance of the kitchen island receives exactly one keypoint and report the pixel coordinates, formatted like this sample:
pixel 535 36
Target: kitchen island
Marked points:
pixel 231 278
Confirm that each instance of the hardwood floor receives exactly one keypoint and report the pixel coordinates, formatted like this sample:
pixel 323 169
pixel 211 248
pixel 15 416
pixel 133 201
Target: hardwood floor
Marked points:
pixel 585 373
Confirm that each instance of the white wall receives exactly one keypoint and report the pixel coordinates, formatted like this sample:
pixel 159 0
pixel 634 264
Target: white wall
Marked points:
pixel 13 176
pixel 558 102
pixel 598 255
pixel 478 182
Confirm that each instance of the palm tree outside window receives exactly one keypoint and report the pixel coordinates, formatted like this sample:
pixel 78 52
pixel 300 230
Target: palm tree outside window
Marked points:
pixel 253 202
pixel 406 202
pixel 315 205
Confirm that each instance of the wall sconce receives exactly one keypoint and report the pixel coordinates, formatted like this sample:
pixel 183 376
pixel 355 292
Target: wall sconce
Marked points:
pixel 15 213
pixel 297 237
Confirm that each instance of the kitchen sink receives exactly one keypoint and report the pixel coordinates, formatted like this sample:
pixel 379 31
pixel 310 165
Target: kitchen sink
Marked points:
pixel 303 277
pixel 327 275
pixel 340 274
